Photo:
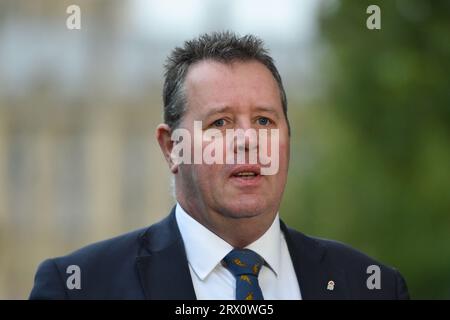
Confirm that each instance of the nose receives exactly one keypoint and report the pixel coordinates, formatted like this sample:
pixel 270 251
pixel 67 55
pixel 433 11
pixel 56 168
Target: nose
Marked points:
pixel 245 137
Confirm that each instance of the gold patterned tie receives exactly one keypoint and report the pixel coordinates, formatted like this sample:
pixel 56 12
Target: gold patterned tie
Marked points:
pixel 245 265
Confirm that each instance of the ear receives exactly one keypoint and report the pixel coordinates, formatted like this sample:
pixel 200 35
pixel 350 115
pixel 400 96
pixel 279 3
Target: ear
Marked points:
pixel 163 135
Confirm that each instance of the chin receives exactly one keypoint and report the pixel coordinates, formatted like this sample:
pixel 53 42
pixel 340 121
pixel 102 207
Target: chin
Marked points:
pixel 246 207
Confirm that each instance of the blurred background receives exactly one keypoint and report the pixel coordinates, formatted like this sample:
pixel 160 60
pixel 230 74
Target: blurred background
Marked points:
pixel 369 110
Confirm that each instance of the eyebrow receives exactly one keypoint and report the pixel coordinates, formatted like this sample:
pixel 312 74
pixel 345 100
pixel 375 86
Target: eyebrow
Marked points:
pixel 267 109
pixel 217 110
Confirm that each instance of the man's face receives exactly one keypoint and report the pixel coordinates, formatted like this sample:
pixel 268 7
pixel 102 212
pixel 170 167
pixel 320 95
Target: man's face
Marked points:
pixel 240 95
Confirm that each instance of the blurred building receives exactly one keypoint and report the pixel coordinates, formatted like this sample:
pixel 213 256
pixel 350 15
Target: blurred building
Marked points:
pixel 78 109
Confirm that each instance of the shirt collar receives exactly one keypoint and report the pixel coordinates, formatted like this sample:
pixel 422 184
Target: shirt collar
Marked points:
pixel 268 245
pixel 205 250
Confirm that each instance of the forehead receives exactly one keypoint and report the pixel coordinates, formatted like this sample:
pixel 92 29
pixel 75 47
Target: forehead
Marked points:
pixel 239 85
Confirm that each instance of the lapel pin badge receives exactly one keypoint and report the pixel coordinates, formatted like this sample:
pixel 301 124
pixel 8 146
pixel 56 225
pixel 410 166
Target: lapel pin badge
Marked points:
pixel 330 285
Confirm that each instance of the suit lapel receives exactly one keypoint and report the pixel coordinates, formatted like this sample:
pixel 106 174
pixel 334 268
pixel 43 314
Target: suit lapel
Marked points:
pixel 313 269
pixel 163 268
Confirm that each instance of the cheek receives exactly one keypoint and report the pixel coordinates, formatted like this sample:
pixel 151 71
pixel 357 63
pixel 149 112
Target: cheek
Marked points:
pixel 284 146
pixel 285 152
pixel 208 176
pixel 276 150
pixel 283 157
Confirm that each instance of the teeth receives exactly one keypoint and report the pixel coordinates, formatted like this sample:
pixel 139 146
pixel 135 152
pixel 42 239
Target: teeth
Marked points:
pixel 245 174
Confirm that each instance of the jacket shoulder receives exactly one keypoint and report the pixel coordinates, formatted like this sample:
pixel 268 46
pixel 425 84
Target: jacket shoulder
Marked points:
pixel 98 265
pixel 339 252
pixel 357 266
pixel 108 249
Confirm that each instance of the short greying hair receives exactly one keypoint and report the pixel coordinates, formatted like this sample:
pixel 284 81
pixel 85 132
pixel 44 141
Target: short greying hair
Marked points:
pixel 225 47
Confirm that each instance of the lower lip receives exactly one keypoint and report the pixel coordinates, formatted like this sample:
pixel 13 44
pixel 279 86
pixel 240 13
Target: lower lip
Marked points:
pixel 248 181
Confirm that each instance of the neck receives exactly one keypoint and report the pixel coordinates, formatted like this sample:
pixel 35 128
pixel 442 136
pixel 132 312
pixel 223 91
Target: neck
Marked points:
pixel 238 232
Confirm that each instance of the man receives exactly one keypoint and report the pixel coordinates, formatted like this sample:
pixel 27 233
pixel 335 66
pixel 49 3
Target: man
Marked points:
pixel 224 238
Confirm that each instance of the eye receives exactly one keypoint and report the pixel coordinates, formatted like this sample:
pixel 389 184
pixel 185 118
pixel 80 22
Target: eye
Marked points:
pixel 219 123
pixel 263 121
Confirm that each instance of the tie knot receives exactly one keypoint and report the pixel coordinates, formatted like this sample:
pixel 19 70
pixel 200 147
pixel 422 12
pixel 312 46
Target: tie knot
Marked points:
pixel 243 262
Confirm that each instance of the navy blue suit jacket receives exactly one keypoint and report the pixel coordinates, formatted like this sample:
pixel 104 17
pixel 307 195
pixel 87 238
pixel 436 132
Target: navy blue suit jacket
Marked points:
pixel 151 264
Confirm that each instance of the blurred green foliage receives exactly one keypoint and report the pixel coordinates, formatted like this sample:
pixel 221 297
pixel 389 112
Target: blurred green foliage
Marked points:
pixel 370 163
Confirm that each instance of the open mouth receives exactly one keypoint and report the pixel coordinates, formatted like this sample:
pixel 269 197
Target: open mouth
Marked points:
pixel 246 172
pixel 245 175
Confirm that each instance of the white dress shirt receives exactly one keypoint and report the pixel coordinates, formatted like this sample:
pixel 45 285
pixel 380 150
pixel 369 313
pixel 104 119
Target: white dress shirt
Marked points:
pixel 205 251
